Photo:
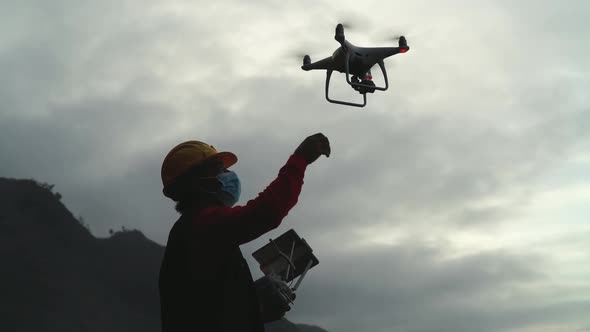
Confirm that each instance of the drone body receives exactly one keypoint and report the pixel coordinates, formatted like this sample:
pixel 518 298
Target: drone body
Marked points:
pixel 355 61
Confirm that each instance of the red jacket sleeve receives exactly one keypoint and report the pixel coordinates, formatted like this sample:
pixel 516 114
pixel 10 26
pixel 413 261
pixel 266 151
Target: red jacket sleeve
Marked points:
pixel 242 224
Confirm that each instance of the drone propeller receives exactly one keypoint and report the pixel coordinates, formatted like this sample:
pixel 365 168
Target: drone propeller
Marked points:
pixel 301 50
pixel 298 55
pixel 411 33
pixel 350 20
pixel 391 38
pixel 348 25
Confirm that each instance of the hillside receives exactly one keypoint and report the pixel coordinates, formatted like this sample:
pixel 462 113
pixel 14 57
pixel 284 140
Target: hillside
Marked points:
pixel 59 277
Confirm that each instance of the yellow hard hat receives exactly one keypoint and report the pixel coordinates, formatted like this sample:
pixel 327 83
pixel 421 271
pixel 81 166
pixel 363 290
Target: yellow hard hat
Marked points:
pixel 186 155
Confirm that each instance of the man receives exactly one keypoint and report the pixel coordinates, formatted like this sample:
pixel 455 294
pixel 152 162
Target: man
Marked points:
pixel 205 283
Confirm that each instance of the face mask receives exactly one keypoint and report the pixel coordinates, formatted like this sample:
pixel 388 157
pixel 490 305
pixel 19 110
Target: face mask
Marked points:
pixel 230 190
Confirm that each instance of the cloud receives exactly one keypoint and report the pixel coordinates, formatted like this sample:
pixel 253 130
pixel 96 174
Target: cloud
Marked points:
pixel 488 106
pixel 413 287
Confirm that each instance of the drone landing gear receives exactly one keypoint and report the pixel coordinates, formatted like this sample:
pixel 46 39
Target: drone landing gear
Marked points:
pixel 362 86
pixel 328 75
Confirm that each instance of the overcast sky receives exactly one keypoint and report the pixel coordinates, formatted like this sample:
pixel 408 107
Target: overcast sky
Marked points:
pixel 455 201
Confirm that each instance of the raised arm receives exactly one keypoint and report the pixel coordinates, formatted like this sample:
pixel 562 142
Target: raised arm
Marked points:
pixel 242 224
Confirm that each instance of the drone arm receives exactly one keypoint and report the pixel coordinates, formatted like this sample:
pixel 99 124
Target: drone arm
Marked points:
pixel 325 63
pixel 328 75
pixel 385 52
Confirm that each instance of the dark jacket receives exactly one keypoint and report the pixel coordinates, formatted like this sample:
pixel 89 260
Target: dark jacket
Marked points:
pixel 205 283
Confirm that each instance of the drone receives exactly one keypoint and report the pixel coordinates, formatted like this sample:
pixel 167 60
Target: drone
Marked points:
pixel 356 62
